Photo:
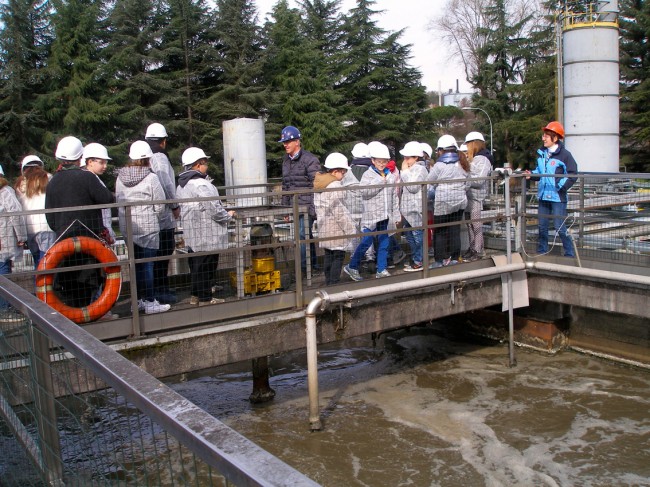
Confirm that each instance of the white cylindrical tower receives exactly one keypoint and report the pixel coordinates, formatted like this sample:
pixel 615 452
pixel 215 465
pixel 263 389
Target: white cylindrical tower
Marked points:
pixel 590 81
pixel 244 154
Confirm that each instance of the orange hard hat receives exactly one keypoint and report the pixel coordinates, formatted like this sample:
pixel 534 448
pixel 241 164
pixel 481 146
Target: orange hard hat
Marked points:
pixel 555 127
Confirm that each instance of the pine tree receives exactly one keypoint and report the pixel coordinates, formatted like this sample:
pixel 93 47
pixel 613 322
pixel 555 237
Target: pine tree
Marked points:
pixel 24 43
pixel 382 93
pixel 634 23
pixel 69 101
pixel 515 78
pixel 239 65
pixel 302 93
pixel 136 94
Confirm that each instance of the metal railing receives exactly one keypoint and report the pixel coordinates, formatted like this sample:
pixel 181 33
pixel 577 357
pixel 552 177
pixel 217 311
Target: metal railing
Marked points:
pixel 132 430
pixel 607 218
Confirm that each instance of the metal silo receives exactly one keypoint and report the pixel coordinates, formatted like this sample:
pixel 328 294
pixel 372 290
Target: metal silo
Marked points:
pixel 245 158
pixel 590 81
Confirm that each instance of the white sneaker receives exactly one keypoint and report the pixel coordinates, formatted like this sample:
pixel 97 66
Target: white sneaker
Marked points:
pixel 353 273
pixel 140 304
pixel 151 307
pixel 381 274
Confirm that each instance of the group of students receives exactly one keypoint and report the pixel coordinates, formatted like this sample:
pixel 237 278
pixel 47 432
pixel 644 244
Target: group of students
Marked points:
pixel 147 177
pixel 455 184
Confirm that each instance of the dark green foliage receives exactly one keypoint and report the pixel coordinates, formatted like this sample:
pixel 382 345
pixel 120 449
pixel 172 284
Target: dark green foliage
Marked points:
pixel 515 81
pixel 382 94
pixel 24 45
pixel 635 87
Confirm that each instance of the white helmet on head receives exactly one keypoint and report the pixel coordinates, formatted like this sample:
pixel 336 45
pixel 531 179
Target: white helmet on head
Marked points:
pixel 69 149
pixel 377 150
pixel 474 136
pixel 191 155
pixel 447 142
pixel 30 161
pixel 155 131
pixel 412 149
pixel 426 149
pixel 96 151
pixel 463 148
pixel 140 150
pixel 360 150
pixel 336 160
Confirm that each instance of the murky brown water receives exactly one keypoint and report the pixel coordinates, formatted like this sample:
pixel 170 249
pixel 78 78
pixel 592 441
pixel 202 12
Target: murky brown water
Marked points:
pixel 423 409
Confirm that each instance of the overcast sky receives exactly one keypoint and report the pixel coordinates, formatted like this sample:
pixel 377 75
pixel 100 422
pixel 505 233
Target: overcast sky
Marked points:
pixel 429 54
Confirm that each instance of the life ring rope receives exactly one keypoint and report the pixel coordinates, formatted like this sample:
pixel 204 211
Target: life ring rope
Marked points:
pixel 66 248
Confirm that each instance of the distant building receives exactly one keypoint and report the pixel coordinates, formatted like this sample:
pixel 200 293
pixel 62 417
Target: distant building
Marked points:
pixel 456 98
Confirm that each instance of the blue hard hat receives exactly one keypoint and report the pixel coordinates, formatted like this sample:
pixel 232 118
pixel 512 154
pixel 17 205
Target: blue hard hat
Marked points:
pixel 289 133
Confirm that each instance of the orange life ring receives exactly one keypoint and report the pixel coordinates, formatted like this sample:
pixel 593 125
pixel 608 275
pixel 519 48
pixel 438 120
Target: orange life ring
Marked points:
pixel 64 249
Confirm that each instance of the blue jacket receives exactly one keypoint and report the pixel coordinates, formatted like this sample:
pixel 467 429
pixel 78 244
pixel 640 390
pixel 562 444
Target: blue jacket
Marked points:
pixel 559 162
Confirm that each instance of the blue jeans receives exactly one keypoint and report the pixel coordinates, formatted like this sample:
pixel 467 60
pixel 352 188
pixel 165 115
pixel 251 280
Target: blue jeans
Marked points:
pixel 366 242
pixel 5 268
pixel 144 272
pixel 303 247
pixel 414 239
pixel 558 212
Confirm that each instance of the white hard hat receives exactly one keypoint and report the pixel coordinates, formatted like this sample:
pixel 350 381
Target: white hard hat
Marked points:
pixel 336 160
pixel 69 149
pixel 426 148
pixel 191 155
pixel 155 131
pixel 412 149
pixel 2 171
pixel 463 148
pixel 360 150
pixel 140 150
pixel 377 150
pixel 447 141
pixel 96 151
pixel 474 136
pixel 31 161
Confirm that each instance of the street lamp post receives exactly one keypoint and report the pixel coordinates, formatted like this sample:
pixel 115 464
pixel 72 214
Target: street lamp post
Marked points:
pixel 489 120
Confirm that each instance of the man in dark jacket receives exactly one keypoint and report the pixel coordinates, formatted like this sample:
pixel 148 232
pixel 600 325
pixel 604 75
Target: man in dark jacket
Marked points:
pixel 75 189
pixel 299 167
pixel 70 187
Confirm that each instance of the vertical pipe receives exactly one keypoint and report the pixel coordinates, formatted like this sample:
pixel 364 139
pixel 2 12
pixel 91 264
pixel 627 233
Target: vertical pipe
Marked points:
pixel 297 274
pixel 133 286
pixel 511 318
pixel 312 368
pixel 45 408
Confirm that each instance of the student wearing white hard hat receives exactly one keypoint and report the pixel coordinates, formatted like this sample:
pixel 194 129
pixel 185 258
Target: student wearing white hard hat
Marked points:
pixel 205 223
pixel 334 218
pixel 13 237
pixel 448 178
pixel 411 202
pixel 480 167
pixel 380 208
pixel 137 183
pixel 72 187
pixel 157 138
pixel 75 190
pixel 30 190
pixel 95 160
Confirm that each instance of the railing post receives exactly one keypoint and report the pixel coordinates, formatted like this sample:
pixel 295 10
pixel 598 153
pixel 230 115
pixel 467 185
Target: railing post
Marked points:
pixel 135 312
pixel 511 316
pixel 581 213
pixel 296 251
pixel 44 406
pixel 425 224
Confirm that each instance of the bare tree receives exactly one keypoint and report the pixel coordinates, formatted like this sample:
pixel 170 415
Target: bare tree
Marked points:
pixel 463 26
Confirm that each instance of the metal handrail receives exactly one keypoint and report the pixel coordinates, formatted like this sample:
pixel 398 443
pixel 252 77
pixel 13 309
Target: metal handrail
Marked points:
pixel 237 458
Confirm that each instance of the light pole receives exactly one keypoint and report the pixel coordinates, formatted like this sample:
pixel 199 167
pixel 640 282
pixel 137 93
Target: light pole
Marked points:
pixel 489 120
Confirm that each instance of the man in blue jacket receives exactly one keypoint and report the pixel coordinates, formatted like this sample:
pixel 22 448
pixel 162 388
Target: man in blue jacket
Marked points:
pixel 299 167
pixel 553 158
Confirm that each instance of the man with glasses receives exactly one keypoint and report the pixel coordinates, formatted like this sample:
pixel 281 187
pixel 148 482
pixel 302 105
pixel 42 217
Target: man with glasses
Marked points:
pixel 299 168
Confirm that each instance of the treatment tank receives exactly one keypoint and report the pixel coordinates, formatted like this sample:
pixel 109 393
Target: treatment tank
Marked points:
pixel 244 152
pixel 591 85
